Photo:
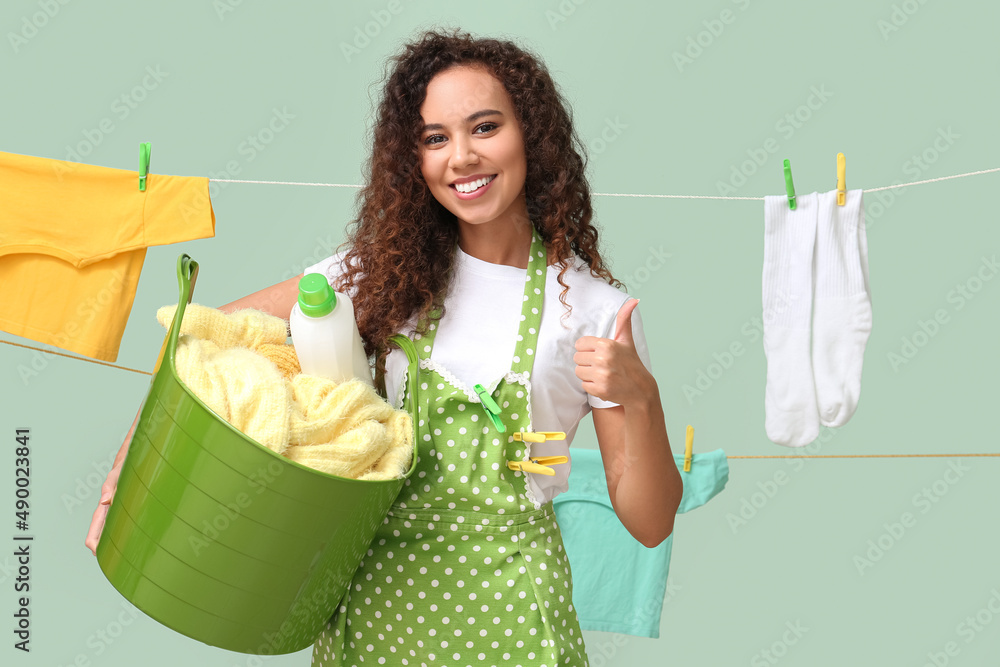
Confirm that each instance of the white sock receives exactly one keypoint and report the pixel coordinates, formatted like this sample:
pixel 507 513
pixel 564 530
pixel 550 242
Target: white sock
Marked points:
pixel 790 414
pixel 842 315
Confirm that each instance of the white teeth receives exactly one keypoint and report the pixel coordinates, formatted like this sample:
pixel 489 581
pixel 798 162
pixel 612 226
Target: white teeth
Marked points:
pixel 471 186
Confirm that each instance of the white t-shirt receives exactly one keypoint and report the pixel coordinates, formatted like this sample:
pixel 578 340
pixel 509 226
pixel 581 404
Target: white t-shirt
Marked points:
pixel 476 338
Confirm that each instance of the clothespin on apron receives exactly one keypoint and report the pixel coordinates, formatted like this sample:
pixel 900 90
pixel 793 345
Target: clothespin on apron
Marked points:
pixel 144 149
pixel 491 407
pixel 841 179
pixel 789 188
pixel 539 436
pixel 538 464
pixel 688 448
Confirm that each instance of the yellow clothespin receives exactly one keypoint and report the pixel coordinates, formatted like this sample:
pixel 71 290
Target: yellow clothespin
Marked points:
pixel 539 436
pixel 538 464
pixel 688 447
pixel 841 179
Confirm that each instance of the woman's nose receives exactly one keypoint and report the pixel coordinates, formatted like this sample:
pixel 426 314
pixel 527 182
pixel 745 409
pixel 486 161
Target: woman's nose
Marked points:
pixel 462 153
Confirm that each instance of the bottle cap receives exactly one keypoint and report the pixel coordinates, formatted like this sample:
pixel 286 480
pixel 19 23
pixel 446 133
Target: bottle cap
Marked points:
pixel 316 297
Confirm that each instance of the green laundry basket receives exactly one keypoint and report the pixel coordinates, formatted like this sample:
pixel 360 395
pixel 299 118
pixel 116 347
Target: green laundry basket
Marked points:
pixel 221 539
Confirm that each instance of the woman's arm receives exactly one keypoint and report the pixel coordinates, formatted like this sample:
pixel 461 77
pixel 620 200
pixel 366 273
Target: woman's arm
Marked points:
pixel 643 481
pixel 276 300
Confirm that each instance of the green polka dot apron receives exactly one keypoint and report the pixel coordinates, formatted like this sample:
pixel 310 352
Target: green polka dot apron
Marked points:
pixel 465 570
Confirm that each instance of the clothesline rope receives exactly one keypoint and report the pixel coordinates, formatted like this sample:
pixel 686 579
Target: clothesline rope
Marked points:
pixel 778 456
pixel 623 194
pixel 857 456
pixel 73 356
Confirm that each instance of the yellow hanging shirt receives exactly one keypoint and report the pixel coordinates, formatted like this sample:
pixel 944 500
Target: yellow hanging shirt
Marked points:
pixel 73 238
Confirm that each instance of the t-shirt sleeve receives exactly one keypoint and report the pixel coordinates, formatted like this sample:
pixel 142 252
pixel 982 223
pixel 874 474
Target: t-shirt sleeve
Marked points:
pixel 641 348
pixel 176 209
pixel 331 267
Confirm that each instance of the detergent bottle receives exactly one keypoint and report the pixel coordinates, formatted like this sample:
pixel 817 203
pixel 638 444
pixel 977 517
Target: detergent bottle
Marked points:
pixel 325 333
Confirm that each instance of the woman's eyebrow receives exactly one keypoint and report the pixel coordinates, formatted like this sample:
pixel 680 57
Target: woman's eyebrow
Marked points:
pixel 472 117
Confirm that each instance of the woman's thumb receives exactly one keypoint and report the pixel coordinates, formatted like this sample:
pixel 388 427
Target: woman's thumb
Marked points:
pixel 623 324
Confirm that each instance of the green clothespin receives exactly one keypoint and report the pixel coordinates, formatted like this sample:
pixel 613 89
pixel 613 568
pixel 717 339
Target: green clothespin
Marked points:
pixel 789 188
pixel 491 407
pixel 144 149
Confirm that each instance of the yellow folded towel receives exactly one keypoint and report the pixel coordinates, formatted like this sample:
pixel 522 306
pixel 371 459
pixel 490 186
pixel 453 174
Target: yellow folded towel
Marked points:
pixel 247 328
pixel 239 365
pixel 348 430
pixel 240 386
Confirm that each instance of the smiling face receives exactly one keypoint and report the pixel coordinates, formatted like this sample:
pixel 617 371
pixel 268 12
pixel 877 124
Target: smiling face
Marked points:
pixel 471 132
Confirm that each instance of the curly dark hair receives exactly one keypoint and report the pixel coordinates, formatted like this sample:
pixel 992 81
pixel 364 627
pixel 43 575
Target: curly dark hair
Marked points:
pixel 400 247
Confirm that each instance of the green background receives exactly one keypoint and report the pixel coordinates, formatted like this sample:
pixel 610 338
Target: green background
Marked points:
pixel 895 77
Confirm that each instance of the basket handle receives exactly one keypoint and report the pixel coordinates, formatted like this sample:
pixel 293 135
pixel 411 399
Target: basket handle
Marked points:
pixel 187 274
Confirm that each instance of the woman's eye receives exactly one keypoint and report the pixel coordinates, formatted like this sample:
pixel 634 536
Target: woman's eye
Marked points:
pixel 485 126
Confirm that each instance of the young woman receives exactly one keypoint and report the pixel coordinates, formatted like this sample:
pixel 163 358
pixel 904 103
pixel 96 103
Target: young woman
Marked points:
pixel 474 237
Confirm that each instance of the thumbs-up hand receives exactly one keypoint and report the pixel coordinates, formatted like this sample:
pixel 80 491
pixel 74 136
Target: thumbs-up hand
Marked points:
pixel 610 368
